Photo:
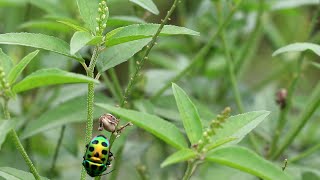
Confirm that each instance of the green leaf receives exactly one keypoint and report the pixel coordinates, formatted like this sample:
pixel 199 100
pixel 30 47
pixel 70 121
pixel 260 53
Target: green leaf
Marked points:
pixel 71 111
pixel 315 64
pixel 147 5
pixel 5 127
pixel 40 41
pixel 5 62
pixel 73 25
pixel 153 124
pixel 45 77
pixel 124 20
pixel 89 12
pixel 16 174
pixel 297 47
pixel 17 70
pixel 239 126
pixel 140 31
pixel 44 25
pixel 119 53
pixel 219 143
pixel 189 114
pixel 288 4
pixel 80 39
pixel 179 156
pixel 248 161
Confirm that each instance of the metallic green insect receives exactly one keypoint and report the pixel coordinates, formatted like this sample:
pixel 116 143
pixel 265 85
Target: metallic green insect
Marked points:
pixel 97 157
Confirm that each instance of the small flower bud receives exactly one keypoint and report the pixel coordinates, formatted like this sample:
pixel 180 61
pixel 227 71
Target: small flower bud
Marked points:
pixel 281 98
pixel 97 28
pixel 103 16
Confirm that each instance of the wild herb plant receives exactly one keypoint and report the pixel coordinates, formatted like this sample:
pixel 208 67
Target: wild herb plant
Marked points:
pixel 125 65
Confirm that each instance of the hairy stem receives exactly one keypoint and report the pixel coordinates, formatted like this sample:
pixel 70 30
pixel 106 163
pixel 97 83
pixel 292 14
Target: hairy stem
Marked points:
pixel 90 102
pixel 15 139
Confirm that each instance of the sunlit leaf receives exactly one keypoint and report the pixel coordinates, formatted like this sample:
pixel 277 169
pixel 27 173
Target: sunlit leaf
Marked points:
pixel 298 47
pixel 179 156
pixel 40 41
pixel 80 39
pixel 124 20
pixel 153 124
pixel 17 70
pixel 246 160
pixel 46 77
pixel 239 126
pixel 5 62
pixel 16 174
pixel 189 114
pixel 140 31
pixel 147 5
pixel 89 12
pixel 120 53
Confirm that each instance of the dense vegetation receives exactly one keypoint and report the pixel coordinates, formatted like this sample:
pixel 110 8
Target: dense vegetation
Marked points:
pixel 206 89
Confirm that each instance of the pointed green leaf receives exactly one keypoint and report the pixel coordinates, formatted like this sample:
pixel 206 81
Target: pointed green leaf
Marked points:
pixel 89 12
pixel 140 31
pixel 71 111
pixel 5 62
pixel 219 143
pixel 189 114
pixel 5 127
pixel 16 174
pixel 297 47
pixel 80 39
pixel 40 41
pixel 124 20
pixel 239 126
pixel 179 156
pixel 153 124
pixel 17 70
pixel 248 161
pixel 147 5
pixel 44 25
pixel 73 25
pixel 120 53
pixel 46 77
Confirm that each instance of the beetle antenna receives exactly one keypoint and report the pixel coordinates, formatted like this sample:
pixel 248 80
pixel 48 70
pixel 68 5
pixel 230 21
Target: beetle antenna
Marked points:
pixel 107 172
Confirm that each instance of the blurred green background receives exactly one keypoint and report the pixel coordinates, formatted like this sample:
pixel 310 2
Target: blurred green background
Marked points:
pixel 257 29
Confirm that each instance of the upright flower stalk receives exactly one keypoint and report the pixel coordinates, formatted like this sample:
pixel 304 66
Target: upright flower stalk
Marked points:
pixel 102 23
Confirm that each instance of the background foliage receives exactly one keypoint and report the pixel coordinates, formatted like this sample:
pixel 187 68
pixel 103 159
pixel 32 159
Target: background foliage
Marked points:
pixel 236 61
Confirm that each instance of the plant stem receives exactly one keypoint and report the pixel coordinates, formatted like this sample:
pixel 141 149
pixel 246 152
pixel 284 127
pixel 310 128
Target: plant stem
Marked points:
pixel 190 169
pixel 251 45
pixel 15 139
pixel 304 154
pixel 313 104
pixel 139 66
pixel 231 72
pixel 90 102
pixel 199 56
pixel 55 156
pixel 283 113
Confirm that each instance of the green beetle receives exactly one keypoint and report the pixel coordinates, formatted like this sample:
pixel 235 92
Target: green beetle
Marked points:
pixel 97 157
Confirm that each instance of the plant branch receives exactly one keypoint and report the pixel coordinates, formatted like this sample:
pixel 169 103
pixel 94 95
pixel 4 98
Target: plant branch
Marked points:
pixel 200 55
pixel 314 103
pixel 56 152
pixel 90 102
pixel 304 154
